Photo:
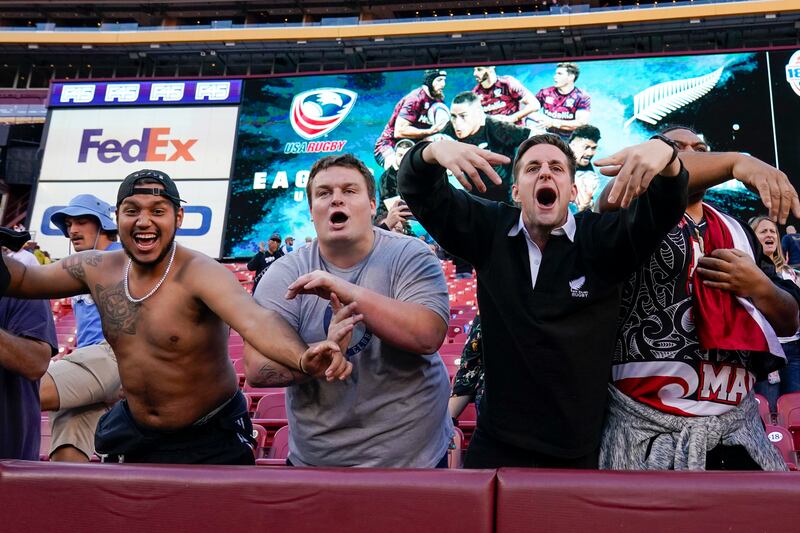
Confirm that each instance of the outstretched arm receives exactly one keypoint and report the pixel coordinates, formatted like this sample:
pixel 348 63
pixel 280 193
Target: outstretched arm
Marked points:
pixel 709 169
pixel 265 330
pixel 66 277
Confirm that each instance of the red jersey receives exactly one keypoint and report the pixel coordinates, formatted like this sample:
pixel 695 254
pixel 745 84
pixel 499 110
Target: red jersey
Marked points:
pixel 413 107
pixel 504 97
pixel 563 106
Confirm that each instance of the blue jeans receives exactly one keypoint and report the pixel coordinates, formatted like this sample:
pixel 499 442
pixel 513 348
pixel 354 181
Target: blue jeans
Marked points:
pixel 790 377
pixel 790 374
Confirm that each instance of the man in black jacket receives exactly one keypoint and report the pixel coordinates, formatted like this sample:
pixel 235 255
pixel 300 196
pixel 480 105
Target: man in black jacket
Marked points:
pixel 548 284
pixel 265 257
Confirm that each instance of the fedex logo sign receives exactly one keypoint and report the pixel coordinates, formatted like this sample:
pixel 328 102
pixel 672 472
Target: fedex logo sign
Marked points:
pixel 155 144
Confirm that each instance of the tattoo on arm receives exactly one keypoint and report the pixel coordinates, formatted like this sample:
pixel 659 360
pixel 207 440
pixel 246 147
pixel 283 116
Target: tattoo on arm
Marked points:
pixel 273 374
pixel 118 314
pixel 74 264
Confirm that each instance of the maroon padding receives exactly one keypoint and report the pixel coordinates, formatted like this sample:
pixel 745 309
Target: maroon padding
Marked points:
pixel 646 502
pixel 70 497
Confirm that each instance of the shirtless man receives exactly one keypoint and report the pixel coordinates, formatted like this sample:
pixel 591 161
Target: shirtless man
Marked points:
pixel 164 310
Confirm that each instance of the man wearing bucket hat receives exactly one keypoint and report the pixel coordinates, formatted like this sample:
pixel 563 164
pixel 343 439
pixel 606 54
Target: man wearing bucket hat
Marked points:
pixel 79 388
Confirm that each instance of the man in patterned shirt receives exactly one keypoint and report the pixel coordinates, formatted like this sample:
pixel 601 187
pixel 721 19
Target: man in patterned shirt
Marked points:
pixel 681 388
pixel 564 107
pixel 503 97
pixel 410 119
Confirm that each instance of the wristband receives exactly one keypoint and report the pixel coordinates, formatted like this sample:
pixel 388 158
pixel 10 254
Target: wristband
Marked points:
pixel 300 364
pixel 669 142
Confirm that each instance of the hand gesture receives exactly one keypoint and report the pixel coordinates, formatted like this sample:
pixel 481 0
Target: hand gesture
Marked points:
pixel 635 167
pixel 325 359
pixel 772 185
pixel 733 271
pixel 465 161
pixel 343 322
pixel 261 246
pixel 398 213
pixel 322 284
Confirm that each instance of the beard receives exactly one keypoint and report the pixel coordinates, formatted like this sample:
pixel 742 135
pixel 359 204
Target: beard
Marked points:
pixel 156 261
pixel 438 95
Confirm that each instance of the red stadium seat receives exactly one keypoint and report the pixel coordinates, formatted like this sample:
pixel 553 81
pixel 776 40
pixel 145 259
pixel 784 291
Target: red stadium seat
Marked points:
pixel 782 440
pixel 460 339
pixel 763 409
pixel 44 440
pixel 260 434
pixel 789 415
pixel 468 421
pixel 271 411
pixel 279 450
pixel 280 445
pixel 456 452
pixel 451 362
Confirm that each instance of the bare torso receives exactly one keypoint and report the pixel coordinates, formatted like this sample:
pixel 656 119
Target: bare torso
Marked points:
pixel 171 348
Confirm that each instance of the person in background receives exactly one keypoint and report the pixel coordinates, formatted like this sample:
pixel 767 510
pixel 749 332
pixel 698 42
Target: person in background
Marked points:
pixel 261 262
pixel 288 245
pixel 787 379
pixel 791 246
pixel 80 387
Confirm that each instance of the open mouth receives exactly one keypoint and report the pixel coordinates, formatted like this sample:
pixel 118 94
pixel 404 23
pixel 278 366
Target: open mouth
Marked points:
pixel 145 241
pixel 546 197
pixel 338 218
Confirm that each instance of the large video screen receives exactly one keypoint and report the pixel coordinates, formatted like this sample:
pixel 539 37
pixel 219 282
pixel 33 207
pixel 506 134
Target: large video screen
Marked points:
pixel 287 123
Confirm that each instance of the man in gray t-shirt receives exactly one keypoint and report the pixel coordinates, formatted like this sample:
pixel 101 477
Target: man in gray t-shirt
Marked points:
pixel 392 410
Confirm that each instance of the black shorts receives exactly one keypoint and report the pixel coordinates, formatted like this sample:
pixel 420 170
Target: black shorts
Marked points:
pixel 226 438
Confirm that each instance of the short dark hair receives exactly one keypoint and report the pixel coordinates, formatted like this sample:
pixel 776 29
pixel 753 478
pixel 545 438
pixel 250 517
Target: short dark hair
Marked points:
pixel 672 127
pixel 466 97
pixel 546 138
pixel 587 131
pixel 346 161
pixel 571 68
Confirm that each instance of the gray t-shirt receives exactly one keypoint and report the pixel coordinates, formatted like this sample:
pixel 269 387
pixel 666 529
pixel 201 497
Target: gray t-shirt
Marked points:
pixel 392 410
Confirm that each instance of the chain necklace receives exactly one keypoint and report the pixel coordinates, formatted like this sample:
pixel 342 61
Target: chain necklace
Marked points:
pixel 154 289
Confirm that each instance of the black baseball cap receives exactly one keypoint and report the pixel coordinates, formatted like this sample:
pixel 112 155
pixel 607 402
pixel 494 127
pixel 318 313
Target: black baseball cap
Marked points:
pixel 170 190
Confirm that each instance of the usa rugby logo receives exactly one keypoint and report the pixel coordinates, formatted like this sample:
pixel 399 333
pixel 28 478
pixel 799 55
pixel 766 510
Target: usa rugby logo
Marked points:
pixel 315 113
pixel 793 72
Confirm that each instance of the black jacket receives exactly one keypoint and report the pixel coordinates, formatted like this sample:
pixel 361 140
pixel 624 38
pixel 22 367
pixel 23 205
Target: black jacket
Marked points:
pixel 548 349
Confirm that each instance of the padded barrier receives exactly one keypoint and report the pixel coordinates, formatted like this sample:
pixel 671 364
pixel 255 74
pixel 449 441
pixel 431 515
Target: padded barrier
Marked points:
pixel 646 502
pixel 70 497
pixel 39 496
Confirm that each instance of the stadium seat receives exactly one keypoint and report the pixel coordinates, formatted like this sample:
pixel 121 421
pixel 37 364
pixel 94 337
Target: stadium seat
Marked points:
pixel 260 434
pixel 459 339
pixel 763 409
pixel 789 415
pixel 782 439
pixel 271 411
pixel 456 452
pixel 468 421
pixel 44 440
pixel 451 362
pixel 278 451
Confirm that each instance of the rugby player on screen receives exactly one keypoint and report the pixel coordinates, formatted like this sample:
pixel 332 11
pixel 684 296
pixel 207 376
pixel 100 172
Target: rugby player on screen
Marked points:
pixel 503 97
pixel 470 124
pixel 412 117
pixel 564 107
